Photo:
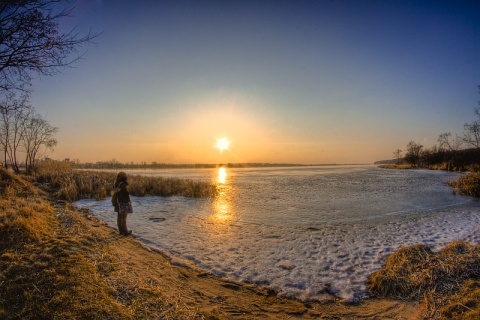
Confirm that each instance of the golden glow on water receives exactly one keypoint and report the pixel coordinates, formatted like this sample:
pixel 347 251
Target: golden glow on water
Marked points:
pixel 222 210
pixel 222 207
pixel 222 175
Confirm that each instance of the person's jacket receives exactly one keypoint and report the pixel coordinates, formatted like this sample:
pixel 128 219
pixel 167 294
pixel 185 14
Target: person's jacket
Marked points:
pixel 121 195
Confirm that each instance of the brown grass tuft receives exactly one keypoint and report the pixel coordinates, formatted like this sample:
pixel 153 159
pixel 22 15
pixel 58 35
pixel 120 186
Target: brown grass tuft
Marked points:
pixel 416 272
pixel 400 278
pixel 468 184
pixel 465 304
pixel 14 185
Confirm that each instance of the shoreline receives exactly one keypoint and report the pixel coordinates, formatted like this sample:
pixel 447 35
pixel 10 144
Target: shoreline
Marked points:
pixel 223 246
pixel 218 298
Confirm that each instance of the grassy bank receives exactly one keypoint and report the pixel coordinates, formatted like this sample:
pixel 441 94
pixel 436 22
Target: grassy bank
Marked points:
pixel 54 266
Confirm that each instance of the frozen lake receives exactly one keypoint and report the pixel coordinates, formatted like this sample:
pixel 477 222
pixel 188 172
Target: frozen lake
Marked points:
pixel 301 229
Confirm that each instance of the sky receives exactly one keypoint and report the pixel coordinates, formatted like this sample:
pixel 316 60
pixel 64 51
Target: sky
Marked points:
pixel 309 82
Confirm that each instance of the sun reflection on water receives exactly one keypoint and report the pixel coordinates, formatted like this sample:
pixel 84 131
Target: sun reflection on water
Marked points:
pixel 222 207
pixel 222 175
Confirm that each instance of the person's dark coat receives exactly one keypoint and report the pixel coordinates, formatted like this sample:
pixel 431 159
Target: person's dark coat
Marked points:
pixel 121 195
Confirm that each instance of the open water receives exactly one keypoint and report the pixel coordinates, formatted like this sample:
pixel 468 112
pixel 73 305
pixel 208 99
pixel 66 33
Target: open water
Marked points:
pixel 301 230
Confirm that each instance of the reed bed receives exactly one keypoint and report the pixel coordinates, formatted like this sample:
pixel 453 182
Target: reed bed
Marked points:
pixel 72 185
pixel 417 272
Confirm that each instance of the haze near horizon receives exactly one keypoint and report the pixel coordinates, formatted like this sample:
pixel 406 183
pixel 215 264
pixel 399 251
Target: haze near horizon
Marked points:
pixel 307 82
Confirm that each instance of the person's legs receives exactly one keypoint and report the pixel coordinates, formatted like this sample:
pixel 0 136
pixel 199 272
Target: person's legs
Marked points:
pixel 123 222
pixel 119 223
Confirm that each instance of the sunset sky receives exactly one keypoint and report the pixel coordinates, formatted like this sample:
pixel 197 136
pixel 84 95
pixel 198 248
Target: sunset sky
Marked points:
pixel 308 82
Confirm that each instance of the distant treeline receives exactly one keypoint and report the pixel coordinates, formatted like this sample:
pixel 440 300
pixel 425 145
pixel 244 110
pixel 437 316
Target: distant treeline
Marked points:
pixel 452 152
pixel 452 160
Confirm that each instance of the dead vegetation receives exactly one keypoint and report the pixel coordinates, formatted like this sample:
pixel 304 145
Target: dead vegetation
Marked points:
pixel 468 184
pixel 416 272
pixel 72 185
pixel 403 166
pixel 54 268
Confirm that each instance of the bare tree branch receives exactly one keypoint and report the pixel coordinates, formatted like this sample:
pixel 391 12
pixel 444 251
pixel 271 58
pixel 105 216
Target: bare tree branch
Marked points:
pixel 38 134
pixel 471 131
pixel 30 41
pixel 13 117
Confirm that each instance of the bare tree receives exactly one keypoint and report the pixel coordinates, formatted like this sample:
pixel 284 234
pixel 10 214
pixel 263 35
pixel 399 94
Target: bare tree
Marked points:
pixel 398 155
pixel 413 152
pixel 38 136
pixel 13 116
pixel 447 142
pixel 471 131
pixel 31 42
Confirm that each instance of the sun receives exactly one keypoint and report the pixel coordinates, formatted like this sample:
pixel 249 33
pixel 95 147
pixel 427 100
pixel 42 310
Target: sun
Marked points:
pixel 222 144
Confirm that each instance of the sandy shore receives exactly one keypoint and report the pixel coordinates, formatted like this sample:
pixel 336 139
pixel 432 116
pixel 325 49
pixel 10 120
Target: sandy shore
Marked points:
pixel 136 265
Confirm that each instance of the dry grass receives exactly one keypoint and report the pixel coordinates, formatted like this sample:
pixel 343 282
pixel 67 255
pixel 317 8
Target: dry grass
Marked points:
pixel 465 303
pixel 468 184
pixel 72 185
pixel 416 272
pixel 42 270
pixel 142 186
pixel 55 268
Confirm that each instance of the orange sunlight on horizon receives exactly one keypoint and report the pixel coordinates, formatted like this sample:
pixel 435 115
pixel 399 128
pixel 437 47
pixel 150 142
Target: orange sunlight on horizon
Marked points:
pixel 224 118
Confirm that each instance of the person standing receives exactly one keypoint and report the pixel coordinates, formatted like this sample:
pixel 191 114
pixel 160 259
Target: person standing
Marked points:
pixel 121 202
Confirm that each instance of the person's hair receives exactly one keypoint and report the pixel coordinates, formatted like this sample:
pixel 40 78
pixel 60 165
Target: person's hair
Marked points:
pixel 121 177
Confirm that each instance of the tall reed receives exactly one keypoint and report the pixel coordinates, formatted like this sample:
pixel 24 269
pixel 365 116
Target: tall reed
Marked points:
pixel 71 185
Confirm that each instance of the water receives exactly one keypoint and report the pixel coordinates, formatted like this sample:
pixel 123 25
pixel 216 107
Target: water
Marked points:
pixel 300 230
